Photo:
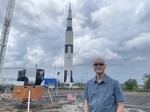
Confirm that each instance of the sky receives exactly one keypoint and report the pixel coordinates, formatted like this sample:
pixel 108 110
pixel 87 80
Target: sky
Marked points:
pixel 118 31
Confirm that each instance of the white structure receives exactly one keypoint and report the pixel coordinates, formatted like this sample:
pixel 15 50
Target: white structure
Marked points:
pixel 68 61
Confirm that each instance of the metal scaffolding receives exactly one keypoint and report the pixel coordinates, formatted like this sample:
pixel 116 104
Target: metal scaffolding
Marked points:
pixel 5 30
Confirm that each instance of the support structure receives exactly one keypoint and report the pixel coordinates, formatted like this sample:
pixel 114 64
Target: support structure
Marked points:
pixel 26 93
pixel 22 92
pixel 68 61
pixel 5 30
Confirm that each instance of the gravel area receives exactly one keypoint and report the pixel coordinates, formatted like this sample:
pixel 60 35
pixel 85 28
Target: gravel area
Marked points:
pixel 60 103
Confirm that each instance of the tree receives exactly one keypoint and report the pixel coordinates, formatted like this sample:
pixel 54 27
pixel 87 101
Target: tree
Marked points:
pixel 146 79
pixel 131 84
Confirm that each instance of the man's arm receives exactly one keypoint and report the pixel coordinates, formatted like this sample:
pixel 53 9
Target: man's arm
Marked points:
pixel 120 107
pixel 120 97
pixel 86 106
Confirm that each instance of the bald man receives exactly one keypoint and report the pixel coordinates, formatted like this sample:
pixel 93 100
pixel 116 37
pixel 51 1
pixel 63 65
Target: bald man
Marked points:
pixel 102 93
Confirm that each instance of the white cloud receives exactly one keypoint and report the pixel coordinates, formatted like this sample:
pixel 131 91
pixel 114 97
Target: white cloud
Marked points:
pixel 101 15
pixel 11 44
pixel 79 25
pixel 58 61
pixel 141 41
pixel 138 58
pixel 11 60
pixel 110 55
pixel 87 47
pixel 140 8
pixel 35 55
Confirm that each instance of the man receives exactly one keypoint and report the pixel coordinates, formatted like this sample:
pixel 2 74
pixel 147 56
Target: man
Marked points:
pixel 102 93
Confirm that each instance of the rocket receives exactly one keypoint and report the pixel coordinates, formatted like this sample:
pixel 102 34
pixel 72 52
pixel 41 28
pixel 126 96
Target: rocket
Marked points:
pixel 68 58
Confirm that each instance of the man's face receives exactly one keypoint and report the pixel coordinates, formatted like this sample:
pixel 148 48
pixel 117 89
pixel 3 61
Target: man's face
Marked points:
pixel 99 66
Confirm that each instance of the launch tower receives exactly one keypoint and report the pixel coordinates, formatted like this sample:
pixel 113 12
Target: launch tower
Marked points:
pixel 5 30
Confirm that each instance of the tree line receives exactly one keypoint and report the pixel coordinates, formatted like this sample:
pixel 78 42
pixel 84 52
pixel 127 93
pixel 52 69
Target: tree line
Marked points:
pixel 129 85
pixel 132 85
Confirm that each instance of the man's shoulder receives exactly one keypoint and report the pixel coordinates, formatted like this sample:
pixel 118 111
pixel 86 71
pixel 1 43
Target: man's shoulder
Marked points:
pixel 110 79
pixel 91 80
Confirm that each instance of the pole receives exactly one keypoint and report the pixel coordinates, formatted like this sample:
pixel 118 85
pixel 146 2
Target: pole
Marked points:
pixel 28 110
pixel 3 94
pixel 75 99
pixel 58 73
pixel 50 95
pixel 57 86
pixel 55 74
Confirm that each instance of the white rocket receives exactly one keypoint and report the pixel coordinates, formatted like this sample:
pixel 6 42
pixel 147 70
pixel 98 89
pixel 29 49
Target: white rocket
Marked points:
pixel 68 61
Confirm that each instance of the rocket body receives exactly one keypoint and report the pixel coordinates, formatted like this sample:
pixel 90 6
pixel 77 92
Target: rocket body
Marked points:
pixel 68 61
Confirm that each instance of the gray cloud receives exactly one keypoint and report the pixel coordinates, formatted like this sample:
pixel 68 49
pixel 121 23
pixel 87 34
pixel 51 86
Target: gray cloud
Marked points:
pixel 117 31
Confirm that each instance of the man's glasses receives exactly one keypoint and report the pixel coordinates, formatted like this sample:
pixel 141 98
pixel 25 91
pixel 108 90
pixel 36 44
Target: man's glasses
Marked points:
pixel 99 64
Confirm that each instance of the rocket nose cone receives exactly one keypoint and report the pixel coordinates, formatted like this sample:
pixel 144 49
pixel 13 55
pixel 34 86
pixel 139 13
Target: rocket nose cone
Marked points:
pixel 70 5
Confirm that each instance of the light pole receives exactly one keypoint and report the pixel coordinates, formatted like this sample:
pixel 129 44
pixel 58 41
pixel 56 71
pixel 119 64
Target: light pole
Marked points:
pixel 36 66
pixel 58 73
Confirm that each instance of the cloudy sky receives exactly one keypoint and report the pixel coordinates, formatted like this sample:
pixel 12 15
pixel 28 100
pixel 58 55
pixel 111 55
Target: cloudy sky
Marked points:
pixel 118 31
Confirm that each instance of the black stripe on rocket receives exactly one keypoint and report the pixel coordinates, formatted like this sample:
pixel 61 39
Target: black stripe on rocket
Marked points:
pixel 67 48
pixel 69 28
pixel 65 76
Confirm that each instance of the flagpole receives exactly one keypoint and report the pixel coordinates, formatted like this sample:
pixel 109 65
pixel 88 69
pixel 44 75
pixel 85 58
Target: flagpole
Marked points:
pixel 28 109
pixel 75 99
pixel 57 86
pixel 58 73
